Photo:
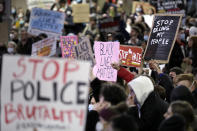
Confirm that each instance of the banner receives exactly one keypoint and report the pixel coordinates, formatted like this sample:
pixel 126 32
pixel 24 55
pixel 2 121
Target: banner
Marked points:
pixel 46 47
pixel 131 55
pixel 83 51
pixel 44 94
pixel 46 21
pixel 162 37
pixel 105 54
pixel 67 45
pixel 171 7
pixel 109 24
pixel 45 4
pixel 81 13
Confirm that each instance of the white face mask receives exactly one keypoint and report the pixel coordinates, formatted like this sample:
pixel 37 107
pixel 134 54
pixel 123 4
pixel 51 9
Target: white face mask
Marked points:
pixel 11 36
pixel 90 107
pixel 138 9
pixel 99 126
pixel 20 15
pixel 10 50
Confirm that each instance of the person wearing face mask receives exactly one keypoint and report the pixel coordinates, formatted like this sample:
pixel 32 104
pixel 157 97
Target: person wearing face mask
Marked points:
pixel 138 11
pixel 14 35
pixel 11 48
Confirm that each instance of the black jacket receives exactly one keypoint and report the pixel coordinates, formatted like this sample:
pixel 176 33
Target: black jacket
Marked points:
pixel 151 112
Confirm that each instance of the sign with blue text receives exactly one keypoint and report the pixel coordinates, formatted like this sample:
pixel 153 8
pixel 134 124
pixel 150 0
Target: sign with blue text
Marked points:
pixel 46 21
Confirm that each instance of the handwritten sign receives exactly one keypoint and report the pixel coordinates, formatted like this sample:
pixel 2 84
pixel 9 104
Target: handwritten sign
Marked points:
pixel 46 47
pixel 81 13
pixel 171 7
pixel 67 45
pixel 162 38
pixel 41 93
pixel 131 55
pixel 46 21
pixel 105 54
pixel 83 51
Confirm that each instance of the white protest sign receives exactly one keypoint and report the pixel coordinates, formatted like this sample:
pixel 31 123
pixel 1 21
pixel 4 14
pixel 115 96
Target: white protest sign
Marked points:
pixel 46 21
pixel 46 47
pixel 43 93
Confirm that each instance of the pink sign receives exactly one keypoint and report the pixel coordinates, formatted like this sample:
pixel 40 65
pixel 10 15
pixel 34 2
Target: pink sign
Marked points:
pixel 67 45
pixel 105 54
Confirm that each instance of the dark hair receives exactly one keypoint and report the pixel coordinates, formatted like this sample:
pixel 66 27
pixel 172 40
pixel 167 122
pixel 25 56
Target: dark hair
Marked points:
pixel 177 70
pixel 124 123
pixel 182 93
pixel 185 109
pixel 161 91
pixel 113 93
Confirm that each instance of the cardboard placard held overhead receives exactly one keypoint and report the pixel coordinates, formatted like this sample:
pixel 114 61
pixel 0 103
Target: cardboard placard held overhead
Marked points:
pixel 162 37
pixel 47 94
pixel 46 47
pixel 83 51
pixel 46 21
pixel 105 54
pixel 81 13
pixel 131 55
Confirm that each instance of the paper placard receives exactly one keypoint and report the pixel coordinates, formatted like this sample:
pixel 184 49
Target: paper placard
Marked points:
pixel 46 47
pixel 46 21
pixel 131 55
pixel 83 51
pixel 67 45
pixel 105 54
pixel 81 13
pixel 43 93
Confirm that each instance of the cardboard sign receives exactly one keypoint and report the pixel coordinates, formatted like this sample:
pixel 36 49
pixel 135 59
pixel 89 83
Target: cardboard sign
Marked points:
pixel 131 55
pixel 83 51
pixel 46 21
pixel 67 45
pixel 81 13
pixel 46 47
pixel 162 37
pixel 145 6
pixel 41 93
pixel 105 54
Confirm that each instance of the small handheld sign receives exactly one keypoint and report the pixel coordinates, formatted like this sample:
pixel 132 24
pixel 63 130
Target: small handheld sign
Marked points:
pixel 162 37
pixel 131 55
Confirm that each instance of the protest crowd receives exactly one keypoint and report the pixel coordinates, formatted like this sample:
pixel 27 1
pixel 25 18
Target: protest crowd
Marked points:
pixel 153 96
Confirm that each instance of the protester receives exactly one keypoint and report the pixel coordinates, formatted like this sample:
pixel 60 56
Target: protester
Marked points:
pixel 147 97
pixel 184 109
